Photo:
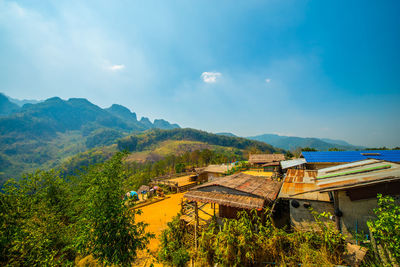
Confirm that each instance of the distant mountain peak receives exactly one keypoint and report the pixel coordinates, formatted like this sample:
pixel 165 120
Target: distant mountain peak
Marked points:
pixel 122 111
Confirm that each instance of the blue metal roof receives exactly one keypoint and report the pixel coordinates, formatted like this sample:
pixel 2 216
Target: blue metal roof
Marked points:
pixel 350 156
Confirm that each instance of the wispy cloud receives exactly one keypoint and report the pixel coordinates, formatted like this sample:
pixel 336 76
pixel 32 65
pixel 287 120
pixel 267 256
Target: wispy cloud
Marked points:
pixel 116 67
pixel 210 77
pixel 268 80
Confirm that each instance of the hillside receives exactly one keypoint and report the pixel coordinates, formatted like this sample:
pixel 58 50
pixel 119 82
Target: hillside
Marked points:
pixel 292 142
pixel 156 144
pixel 42 135
pixel 6 106
pixel 142 141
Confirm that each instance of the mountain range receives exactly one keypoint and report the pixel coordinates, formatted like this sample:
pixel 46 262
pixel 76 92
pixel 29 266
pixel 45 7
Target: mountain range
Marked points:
pixel 44 134
pixel 293 142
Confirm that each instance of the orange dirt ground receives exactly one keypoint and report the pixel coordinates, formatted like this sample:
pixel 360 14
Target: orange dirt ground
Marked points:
pixel 158 214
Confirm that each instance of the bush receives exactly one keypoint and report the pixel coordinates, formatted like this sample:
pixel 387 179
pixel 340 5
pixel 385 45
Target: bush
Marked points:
pixel 173 250
pixel 386 228
pixel 246 241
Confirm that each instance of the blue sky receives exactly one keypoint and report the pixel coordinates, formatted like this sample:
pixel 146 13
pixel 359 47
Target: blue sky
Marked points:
pixel 303 68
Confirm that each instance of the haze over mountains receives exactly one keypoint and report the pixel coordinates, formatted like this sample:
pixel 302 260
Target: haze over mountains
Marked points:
pixel 293 142
pixel 43 134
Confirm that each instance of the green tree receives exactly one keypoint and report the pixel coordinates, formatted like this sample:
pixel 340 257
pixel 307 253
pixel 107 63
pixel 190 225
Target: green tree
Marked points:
pixel 308 149
pixel 173 250
pixel 107 227
pixel 36 223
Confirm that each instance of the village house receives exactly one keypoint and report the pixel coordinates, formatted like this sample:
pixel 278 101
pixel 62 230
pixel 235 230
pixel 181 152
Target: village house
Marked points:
pixel 348 191
pixel 316 160
pixel 266 162
pixel 212 172
pixel 235 193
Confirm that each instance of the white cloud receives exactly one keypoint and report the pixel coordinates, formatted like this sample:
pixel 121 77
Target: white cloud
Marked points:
pixel 116 67
pixel 210 77
pixel 268 80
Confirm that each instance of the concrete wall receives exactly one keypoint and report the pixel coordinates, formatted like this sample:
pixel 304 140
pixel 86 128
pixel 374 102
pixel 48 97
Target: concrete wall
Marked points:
pixel 302 219
pixel 355 213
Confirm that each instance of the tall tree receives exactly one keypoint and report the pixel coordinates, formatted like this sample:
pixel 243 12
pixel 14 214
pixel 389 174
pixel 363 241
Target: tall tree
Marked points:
pixel 107 228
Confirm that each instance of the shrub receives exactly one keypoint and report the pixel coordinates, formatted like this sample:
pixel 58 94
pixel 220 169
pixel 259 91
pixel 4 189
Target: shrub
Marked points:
pixel 386 228
pixel 173 250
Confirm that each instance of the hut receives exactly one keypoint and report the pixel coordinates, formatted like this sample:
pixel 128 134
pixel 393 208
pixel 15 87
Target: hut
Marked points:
pixel 316 160
pixel 350 191
pixel 267 162
pixel 177 182
pixel 235 193
pixel 211 172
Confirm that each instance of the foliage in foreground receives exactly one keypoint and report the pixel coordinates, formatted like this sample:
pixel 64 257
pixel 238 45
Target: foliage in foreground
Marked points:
pixel 46 220
pixel 173 249
pixel 386 228
pixel 107 226
pixel 247 241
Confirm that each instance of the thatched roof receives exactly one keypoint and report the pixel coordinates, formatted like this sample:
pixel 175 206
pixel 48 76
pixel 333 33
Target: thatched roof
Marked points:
pixel 265 158
pixel 229 200
pixel 259 186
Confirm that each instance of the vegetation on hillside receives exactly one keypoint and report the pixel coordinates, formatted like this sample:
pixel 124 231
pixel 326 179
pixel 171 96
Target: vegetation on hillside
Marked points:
pixel 139 142
pixel 44 134
pixel 47 220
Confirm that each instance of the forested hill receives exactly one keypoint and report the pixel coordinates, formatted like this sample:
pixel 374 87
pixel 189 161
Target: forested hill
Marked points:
pixel 43 134
pixel 142 141
pixel 293 142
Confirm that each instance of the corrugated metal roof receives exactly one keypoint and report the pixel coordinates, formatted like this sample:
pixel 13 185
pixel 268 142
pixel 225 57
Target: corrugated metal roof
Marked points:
pixel 336 168
pixel 350 156
pixel 300 181
pixel 286 164
pixel 356 175
pixel 257 185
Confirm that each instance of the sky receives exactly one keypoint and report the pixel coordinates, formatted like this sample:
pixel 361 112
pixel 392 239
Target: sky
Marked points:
pixel 300 68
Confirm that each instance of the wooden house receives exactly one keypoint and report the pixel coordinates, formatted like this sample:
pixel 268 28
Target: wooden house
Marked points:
pixel 211 172
pixel 267 162
pixel 235 193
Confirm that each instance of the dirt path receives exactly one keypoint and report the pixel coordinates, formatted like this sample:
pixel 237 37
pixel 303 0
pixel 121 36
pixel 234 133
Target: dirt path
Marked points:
pixel 158 214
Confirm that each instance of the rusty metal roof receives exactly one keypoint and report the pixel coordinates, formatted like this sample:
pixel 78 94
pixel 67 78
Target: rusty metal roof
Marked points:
pixel 256 185
pixel 301 181
pixel 244 202
pixel 265 158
